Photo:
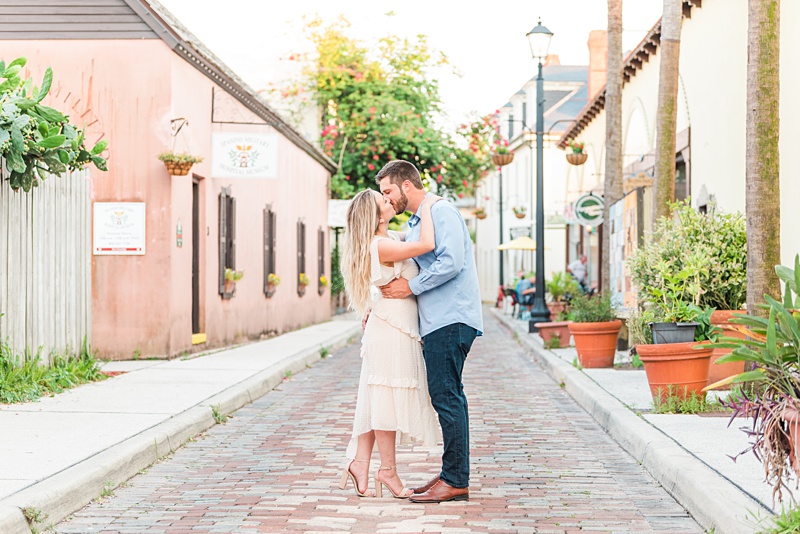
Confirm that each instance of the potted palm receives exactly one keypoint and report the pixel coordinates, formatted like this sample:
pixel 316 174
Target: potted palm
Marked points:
pixel 595 329
pixel 559 286
pixel 773 347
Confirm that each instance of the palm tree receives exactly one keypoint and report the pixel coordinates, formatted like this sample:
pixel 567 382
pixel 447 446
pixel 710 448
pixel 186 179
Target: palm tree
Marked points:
pixel 612 186
pixel 667 117
pixel 762 181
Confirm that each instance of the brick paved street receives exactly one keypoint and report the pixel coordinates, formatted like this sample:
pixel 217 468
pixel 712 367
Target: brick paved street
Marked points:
pixel 540 464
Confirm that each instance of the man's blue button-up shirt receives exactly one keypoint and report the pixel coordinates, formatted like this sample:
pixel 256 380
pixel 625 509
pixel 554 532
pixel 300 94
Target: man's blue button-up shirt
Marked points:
pixel 447 287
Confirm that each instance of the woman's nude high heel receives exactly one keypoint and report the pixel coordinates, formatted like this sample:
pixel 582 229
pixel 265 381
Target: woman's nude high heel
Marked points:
pixel 379 485
pixel 349 474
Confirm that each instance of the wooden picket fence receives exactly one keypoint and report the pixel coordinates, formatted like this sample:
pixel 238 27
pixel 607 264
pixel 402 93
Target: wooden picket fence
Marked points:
pixel 46 265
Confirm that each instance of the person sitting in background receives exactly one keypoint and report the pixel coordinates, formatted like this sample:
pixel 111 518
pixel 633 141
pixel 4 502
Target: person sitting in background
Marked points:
pixel 526 288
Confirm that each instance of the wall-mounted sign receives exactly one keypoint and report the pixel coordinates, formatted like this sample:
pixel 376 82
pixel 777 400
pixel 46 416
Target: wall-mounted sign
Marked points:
pixel 119 228
pixel 589 210
pixel 244 155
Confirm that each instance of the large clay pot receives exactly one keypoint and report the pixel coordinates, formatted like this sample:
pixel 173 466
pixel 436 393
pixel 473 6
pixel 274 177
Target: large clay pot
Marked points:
pixel 679 365
pixel 558 328
pixel 792 418
pixel 596 343
pixel 721 318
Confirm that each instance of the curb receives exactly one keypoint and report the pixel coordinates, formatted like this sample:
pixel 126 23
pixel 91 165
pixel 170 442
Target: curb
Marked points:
pixel 59 495
pixel 715 503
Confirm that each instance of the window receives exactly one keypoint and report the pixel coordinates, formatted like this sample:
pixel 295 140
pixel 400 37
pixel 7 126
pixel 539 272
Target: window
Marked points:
pixel 525 113
pixel 511 126
pixel 269 248
pixel 321 261
pixel 301 257
pixel 227 239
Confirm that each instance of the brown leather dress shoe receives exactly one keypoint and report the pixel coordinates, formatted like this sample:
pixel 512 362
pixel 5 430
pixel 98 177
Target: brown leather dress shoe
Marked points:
pixel 441 491
pixel 429 485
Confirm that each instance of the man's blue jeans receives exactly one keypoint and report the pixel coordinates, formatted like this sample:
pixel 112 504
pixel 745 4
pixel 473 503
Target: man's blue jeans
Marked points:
pixel 445 352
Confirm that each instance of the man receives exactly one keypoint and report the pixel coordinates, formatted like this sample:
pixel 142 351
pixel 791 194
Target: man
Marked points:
pixel 526 289
pixel 578 270
pixel 449 301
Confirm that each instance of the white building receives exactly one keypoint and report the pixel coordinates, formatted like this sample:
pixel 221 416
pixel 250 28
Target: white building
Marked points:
pixel 567 89
pixel 711 127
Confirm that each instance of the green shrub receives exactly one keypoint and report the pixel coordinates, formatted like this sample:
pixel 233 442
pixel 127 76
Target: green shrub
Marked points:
pixel 597 309
pixel 704 254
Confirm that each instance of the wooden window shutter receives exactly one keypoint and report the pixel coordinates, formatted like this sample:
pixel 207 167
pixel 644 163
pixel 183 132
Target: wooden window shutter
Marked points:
pixel 320 259
pixel 269 246
pixel 223 241
pixel 231 260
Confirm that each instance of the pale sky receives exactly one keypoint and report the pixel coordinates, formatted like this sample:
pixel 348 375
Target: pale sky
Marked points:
pixel 485 42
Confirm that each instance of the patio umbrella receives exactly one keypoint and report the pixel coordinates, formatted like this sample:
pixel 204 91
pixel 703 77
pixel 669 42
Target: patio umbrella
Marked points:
pixel 521 243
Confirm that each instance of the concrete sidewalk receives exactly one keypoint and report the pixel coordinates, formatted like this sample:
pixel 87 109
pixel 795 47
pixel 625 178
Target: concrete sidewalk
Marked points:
pixel 60 453
pixel 688 454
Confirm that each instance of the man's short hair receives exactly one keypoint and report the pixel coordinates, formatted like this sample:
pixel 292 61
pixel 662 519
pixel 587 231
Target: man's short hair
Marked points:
pixel 398 171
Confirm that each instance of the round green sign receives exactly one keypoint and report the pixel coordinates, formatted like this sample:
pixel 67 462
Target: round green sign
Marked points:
pixel 589 210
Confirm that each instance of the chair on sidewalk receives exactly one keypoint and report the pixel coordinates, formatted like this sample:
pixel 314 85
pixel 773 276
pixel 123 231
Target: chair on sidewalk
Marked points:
pixel 510 304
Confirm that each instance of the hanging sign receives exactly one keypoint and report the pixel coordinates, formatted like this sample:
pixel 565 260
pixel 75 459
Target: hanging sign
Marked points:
pixel 588 210
pixel 244 155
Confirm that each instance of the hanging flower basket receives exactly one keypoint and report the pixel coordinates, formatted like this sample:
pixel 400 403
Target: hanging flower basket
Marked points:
pixel 577 159
pixel 520 212
pixel 502 159
pixel 479 213
pixel 178 164
pixel 178 168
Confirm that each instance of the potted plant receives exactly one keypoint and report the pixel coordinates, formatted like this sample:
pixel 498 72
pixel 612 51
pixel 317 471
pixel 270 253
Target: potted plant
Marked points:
pixel 231 277
pixel 178 164
pixel 680 368
pixel 322 284
pixel 479 213
pixel 560 286
pixel 273 280
pixel 557 329
pixel 576 155
pixel 595 329
pixel 502 155
pixel 714 272
pixel 302 283
pixel 773 347
pixel 520 211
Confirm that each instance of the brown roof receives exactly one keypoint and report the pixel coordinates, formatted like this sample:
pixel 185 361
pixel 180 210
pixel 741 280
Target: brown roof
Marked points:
pixel 630 66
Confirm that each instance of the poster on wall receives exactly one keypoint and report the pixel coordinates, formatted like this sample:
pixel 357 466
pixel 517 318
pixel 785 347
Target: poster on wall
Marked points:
pixel 244 155
pixel 119 229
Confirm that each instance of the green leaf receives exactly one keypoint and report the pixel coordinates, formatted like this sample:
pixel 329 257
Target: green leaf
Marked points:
pixel 49 114
pixel 99 147
pixel 100 163
pixel 2 65
pixel 21 61
pixel 11 71
pixel 24 103
pixel 15 161
pixel 63 156
pixel 5 135
pixel 53 141
pixel 46 83
pixel 9 85
pixel 17 141
pixel 44 130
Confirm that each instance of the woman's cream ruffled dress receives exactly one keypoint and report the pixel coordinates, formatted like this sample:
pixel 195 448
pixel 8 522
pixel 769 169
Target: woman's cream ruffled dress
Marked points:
pixel 393 390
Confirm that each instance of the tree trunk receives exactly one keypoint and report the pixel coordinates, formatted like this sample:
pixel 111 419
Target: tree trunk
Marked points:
pixel 762 156
pixel 667 117
pixel 612 187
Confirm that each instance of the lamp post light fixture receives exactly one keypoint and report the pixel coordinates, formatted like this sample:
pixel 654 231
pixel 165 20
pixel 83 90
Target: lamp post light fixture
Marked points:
pixel 539 40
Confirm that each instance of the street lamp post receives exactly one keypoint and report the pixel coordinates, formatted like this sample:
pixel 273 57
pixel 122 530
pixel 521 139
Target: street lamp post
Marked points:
pixel 539 40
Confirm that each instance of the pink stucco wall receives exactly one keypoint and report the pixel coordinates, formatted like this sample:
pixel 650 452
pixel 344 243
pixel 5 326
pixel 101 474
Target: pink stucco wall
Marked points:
pixel 127 92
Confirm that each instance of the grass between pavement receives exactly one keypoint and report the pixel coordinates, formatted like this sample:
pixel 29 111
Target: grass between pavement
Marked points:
pixel 25 378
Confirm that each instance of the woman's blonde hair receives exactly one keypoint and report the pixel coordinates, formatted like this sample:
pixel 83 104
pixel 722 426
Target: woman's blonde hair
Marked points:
pixel 363 218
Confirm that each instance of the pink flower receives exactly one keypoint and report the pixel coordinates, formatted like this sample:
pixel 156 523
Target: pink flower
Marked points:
pixel 376 157
pixel 439 179
pixel 372 109
pixel 371 167
pixel 420 130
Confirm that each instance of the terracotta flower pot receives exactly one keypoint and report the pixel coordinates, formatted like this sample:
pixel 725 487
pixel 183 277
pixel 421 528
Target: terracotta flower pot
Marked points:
pixel 721 318
pixel 679 365
pixel 519 214
pixel 792 418
pixel 596 343
pixel 559 328
pixel 556 307
pixel 480 215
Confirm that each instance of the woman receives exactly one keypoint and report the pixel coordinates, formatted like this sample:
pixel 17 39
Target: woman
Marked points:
pixel 393 403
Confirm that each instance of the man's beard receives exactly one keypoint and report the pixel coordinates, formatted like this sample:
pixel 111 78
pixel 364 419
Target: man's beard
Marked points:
pixel 401 204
